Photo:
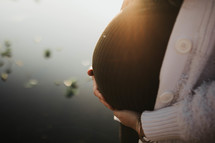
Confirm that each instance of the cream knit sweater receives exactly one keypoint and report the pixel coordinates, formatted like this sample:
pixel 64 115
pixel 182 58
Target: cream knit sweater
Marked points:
pixel 185 106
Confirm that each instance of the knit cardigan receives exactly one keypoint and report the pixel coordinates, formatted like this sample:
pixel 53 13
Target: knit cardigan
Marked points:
pixel 187 80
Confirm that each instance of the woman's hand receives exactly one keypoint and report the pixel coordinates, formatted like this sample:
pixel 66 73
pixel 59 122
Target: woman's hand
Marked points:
pixel 96 91
pixel 127 118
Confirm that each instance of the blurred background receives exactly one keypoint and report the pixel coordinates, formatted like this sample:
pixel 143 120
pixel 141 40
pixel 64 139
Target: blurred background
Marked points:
pixel 46 48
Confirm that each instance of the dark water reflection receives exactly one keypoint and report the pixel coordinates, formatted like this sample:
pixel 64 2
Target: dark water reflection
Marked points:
pixel 43 114
pixel 45 94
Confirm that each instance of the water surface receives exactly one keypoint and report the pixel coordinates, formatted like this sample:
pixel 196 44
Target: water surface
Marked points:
pixel 51 43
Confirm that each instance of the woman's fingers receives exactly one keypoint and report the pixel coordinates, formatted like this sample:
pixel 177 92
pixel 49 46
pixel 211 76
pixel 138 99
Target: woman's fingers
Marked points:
pixel 90 72
pixel 99 95
pixel 106 104
pixel 95 88
pixel 96 91
pixel 128 118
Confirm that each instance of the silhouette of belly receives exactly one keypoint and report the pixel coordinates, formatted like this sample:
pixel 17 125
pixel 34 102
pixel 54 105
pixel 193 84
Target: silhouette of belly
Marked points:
pixel 128 56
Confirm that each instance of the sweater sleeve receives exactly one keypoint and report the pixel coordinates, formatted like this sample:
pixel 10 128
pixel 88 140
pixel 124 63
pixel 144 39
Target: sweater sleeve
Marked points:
pixel 192 119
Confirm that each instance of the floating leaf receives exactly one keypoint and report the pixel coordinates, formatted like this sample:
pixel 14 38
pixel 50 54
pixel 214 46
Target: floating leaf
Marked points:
pixel 19 63
pixel 7 53
pixel 74 84
pixel 67 83
pixel 70 83
pixel 1 63
pixel 71 92
pixel 4 76
pixel 31 83
pixel 8 71
pixel 47 53
pixel 71 88
pixel 7 44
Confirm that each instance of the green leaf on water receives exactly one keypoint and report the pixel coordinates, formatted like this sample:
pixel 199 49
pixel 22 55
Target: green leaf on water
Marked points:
pixel 7 43
pixel 1 63
pixel 7 53
pixel 4 76
pixel 71 88
pixel 70 92
pixel 47 53
pixel 31 83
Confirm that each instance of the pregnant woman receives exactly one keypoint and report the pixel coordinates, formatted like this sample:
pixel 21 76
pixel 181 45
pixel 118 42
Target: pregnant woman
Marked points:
pixel 154 66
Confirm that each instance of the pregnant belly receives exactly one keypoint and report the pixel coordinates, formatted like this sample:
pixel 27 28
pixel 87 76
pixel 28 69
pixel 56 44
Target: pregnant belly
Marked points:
pixel 128 56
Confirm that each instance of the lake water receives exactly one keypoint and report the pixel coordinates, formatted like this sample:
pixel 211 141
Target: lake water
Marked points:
pixel 46 48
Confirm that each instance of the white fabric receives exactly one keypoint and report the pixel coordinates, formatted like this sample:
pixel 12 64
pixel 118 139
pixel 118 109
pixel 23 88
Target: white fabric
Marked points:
pixel 196 23
pixel 192 118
